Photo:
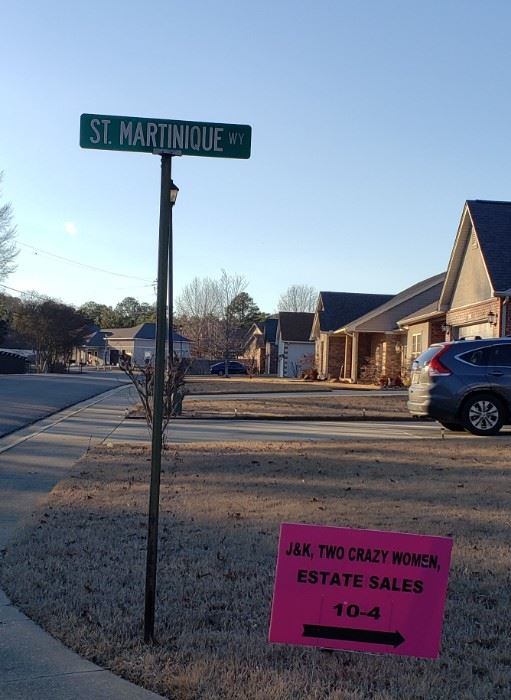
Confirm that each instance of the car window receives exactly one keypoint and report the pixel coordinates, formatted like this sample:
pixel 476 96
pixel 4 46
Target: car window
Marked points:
pixel 477 356
pixel 426 357
pixel 500 356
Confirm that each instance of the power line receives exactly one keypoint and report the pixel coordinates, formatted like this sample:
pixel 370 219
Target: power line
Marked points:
pixel 11 289
pixel 89 267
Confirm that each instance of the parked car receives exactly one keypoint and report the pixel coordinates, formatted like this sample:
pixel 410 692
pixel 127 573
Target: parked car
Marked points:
pixel 465 385
pixel 233 368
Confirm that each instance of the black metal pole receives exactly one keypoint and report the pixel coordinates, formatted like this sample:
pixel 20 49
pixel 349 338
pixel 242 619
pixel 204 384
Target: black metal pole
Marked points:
pixel 158 391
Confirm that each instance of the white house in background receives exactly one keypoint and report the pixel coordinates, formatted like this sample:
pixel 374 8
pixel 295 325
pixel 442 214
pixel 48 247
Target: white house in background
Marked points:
pixel 295 350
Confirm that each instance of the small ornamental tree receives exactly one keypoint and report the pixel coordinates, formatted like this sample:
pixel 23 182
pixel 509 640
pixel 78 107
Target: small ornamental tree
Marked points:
pixel 142 378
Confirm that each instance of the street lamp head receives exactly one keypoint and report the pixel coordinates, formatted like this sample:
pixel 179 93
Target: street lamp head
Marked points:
pixel 174 189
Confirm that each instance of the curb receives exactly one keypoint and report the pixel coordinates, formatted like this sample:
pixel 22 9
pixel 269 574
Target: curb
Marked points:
pixel 301 419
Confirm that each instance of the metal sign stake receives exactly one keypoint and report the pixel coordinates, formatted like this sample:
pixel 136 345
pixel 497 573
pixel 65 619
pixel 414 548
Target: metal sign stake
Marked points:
pixel 159 381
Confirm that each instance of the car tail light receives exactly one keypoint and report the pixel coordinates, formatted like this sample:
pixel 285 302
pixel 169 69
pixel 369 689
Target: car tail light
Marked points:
pixel 436 368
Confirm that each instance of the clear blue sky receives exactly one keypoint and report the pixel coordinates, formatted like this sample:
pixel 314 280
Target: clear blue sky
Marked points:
pixel 373 121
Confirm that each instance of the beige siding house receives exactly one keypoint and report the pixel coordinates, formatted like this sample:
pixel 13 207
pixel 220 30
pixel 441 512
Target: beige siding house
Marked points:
pixel 474 300
pixel 425 327
pixel 139 343
pixel 477 289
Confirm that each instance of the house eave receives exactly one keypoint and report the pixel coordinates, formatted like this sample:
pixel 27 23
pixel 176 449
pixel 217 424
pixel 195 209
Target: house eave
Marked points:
pixel 411 320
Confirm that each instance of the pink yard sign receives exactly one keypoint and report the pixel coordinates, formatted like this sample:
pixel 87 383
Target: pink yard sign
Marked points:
pixel 360 590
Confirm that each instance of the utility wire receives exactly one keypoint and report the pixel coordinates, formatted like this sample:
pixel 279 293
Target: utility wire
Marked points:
pixel 89 267
pixel 11 289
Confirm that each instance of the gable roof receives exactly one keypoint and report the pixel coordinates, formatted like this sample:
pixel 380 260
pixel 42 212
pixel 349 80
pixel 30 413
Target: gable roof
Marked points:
pixel 144 331
pixel 491 222
pixel 295 326
pixel 336 309
pixel 385 317
pixel 94 339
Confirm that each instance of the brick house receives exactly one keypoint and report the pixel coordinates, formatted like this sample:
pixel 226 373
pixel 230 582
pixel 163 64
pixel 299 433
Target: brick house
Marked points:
pixel 477 289
pixel 294 347
pixel 334 310
pixel 259 346
pixel 375 345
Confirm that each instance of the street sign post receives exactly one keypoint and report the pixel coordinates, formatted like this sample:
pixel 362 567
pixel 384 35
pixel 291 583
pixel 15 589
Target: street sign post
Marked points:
pixel 140 134
pixel 166 138
pixel 360 590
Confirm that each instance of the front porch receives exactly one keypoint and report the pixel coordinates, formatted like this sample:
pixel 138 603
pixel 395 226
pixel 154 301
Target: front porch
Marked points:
pixel 374 358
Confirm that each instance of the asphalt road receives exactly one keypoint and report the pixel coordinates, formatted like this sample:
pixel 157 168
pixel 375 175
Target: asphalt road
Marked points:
pixel 25 398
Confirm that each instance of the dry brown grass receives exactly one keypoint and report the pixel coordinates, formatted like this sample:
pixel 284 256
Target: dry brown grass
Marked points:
pixel 322 406
pixel 238 384
pixel 79 568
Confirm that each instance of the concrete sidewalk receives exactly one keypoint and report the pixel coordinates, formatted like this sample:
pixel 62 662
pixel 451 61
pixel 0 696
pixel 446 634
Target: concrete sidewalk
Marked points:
pixel 33 665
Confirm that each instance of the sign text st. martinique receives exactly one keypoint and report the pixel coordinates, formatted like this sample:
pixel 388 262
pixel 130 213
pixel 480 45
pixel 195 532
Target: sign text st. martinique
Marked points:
pixel 114 133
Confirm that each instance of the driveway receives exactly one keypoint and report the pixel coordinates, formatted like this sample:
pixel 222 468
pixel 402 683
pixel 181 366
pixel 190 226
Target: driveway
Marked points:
pixel 25 398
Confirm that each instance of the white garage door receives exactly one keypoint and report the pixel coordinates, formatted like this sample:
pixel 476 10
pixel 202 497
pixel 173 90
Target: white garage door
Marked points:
pixel 484 330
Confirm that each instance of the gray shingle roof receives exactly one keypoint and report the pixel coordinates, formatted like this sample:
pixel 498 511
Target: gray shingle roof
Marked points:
pixel 144 331
pixel 95 339
pixel 407 302
pixel 492 222
pixel 339 308
pixel 295 326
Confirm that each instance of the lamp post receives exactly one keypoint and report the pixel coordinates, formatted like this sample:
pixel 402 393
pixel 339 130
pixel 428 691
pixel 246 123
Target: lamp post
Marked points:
pixel 174 189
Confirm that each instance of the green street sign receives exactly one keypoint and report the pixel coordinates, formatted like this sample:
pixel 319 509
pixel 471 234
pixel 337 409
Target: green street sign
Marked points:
pixel 114 133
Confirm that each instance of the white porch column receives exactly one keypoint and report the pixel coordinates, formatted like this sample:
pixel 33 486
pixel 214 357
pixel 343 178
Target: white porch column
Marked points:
pixel 354 357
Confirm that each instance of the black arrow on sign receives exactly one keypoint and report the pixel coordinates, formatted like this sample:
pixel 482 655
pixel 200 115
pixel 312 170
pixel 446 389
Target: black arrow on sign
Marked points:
pixel 349 634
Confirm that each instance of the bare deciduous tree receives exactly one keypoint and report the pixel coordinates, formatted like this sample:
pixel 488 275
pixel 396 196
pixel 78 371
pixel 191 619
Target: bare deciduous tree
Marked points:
pixel 298 297
pixel 197 313
pixel 229 287
pixel 8 250
pixel 207 315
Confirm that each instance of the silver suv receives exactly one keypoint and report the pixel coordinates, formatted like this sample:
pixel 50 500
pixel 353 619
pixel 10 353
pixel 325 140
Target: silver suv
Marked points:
pixel 464 384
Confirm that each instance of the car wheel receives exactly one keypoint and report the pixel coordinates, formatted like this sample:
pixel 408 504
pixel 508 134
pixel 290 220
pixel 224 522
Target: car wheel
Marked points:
pixel 454 427
pixel 221 373
pixel 483 414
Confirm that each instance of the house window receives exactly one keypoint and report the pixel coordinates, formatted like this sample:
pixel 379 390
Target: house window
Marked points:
pixel 416 345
